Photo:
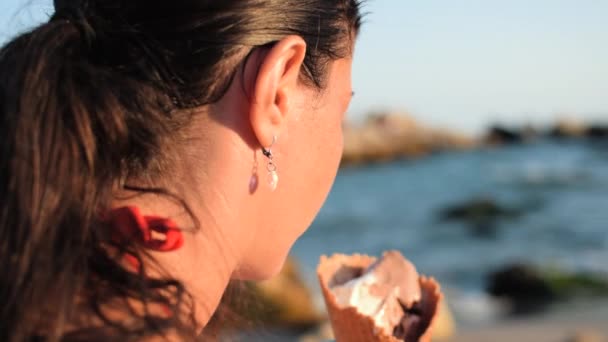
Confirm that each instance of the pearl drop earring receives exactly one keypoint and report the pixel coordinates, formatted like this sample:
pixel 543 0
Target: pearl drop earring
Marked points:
pixel 273 176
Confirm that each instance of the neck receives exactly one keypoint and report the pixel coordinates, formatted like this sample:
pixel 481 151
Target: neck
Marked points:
pixel 206 261
pixel 212 250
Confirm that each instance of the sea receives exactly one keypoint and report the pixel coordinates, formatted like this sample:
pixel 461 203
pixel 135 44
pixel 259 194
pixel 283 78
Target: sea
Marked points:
pixel 561 188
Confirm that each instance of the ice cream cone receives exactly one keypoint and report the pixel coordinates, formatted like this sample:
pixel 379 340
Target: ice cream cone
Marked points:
pixel 348 324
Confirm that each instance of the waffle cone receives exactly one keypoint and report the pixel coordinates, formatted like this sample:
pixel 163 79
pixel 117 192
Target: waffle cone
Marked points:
pixel 348 324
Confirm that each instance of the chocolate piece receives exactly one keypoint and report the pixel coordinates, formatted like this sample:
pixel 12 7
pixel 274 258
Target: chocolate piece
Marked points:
pixel 418 317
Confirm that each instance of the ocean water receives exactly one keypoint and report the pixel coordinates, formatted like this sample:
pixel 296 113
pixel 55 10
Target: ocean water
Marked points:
pixel 563 188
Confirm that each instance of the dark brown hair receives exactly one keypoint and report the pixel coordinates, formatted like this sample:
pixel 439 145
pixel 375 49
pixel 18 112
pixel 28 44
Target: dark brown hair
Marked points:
pixel 92 98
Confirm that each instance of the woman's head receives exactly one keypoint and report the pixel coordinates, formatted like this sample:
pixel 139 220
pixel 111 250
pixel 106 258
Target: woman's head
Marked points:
pixel 153 104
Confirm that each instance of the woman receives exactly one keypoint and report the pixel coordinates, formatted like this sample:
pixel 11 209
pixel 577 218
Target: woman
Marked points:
pixel 152 152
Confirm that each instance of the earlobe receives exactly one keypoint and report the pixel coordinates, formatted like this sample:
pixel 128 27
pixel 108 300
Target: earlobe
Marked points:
pixel 275 86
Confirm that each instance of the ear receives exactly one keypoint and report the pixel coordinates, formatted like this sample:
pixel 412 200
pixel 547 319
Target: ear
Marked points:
pixel 275 86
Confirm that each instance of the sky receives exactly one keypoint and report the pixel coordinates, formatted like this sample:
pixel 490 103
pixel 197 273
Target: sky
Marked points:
pixel 462 64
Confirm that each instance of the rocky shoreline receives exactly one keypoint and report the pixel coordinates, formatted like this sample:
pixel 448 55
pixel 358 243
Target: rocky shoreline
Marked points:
pixel 385 137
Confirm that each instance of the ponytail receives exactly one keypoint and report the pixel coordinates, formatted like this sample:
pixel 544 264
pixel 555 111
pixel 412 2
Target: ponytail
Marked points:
pixel 71 129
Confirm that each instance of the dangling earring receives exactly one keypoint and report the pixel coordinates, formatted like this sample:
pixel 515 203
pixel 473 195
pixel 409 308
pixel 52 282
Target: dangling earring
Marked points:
pixel 273 176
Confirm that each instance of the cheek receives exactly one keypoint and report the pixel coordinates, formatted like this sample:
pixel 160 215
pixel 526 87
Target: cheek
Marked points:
pixel 330 151
pixel 320 154
pixel 335 137
pixel 334 146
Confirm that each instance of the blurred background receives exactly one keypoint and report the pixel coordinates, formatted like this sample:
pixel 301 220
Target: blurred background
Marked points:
pixel 477 145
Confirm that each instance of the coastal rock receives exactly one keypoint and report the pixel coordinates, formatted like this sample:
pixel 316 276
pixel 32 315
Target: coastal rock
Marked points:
pixel 577 129
pixel 390 136
pixel 530 288
pixel 481 214
pixel 568 128
pixel 478 209
pixel 288 301
pixel 522 285
pixel 597 131
pixel 499 135
pixel 282 303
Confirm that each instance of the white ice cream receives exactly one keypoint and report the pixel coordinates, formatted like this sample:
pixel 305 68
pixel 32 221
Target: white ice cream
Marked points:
pixel 379 290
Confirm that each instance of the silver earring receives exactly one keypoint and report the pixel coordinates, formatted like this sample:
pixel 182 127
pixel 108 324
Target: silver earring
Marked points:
pixel 273 176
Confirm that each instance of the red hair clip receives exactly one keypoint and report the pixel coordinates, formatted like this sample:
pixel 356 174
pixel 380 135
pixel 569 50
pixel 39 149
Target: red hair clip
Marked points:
pixel 152 232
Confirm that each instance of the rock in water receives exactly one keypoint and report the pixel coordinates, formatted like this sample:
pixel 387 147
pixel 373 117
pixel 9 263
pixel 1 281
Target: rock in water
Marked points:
pixel 481 214
pixel 522 285
pixel 530 288
pixel 502 136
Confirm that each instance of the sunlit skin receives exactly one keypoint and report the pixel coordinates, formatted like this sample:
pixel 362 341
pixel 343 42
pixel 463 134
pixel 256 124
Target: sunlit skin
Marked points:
pixel 246 232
